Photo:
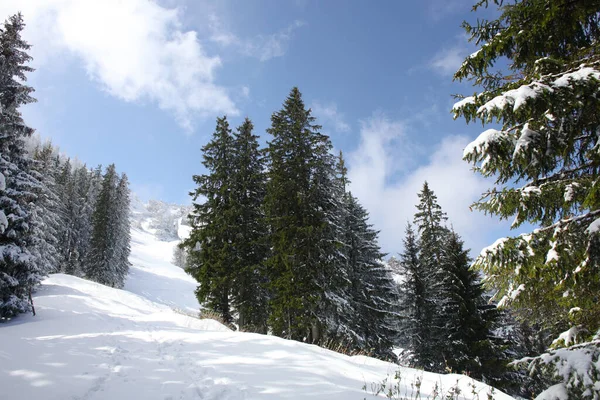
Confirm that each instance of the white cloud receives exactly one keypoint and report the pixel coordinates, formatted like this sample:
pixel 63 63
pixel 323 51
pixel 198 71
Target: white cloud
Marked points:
pixel 329 116
pixel 263 47
pixel 136 50
pixel 374 168
pixel 447 61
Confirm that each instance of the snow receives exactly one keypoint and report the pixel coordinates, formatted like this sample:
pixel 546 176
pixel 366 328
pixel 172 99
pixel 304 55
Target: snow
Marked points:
pixel 3 221
pixel 153 276
pixel 594 227
pixel 89 341
pixel 570 191
pixel 581 74
pixel 2 182
pixel 527 136
pixel 515 97
pixel 482 142
pixel 461 103
pixel 494 248
pixel 529 190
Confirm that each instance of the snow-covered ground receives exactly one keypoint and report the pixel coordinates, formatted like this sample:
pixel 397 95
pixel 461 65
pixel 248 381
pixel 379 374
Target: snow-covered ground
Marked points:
pixel 154 277
pixel 89 341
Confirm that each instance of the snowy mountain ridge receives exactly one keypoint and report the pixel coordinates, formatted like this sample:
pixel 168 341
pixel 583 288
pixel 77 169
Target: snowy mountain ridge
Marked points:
pixel 89 341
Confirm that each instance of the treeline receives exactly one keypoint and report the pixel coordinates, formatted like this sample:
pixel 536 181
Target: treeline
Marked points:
pixel 278 242
pixel 54 216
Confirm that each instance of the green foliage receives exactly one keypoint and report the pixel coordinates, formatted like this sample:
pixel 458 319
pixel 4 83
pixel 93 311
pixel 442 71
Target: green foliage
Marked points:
pixel 298 206
pixel 544 157
pixel 210 250
pixel 250 244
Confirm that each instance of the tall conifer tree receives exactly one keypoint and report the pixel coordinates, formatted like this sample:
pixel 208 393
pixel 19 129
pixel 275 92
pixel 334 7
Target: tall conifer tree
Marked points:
pixel 19 272
pixel 211 255
pixel 428 220
pixel 299 209
pixel 250 237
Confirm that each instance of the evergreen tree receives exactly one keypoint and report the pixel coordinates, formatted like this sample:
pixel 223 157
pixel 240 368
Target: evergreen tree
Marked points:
pixel 300 209
pixel 100 266
pixel 432 234
pixel 122 229
pixel 362 293
pixel 545 161
pixel 211 254
pixel 250 232
pixel 67 234
pixel 414 303
pixel 47 209
pixel 82 219
pixel 466 319
pixel 373 290
pixel 19 271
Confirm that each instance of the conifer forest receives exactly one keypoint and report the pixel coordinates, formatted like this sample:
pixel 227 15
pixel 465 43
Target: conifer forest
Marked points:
pixel 275 250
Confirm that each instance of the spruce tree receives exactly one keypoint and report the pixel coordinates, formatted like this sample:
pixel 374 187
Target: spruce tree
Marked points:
pixel 250 232
pixel 82 224
pixel 19 271
pixel 414 303
pixel 373 290
pixel 466 320
pixel 432 234
pixel 300 213
pixel 47 209
pixel 100 266
pixel 120 214
pixel 67 234
pixel 211 255
pixel 542 153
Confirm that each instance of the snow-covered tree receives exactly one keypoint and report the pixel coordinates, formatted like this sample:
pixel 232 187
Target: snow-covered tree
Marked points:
pixel 19 270
pixel 543 153
pixel 121 225
pixel 373 293
pixel 413 299
pixel 429 221
pixel 102 263
pixel 466 320
pixel 47 209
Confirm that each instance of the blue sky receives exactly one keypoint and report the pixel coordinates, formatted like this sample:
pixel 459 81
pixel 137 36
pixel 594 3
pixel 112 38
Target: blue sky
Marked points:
pixel 140 83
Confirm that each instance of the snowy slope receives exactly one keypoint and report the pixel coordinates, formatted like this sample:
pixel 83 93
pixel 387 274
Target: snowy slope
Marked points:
pixel 154 277
pixel 91 342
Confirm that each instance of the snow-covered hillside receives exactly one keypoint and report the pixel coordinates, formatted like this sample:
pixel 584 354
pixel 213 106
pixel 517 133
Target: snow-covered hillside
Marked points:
pixel 89 341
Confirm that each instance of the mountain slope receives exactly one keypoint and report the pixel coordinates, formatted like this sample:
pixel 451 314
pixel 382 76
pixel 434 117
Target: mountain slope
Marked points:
pixel 89 341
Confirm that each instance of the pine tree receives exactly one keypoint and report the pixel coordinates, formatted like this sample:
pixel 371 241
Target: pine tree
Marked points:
pixel 100 266
pixel 250 232
pixel 414 303
pixel 467 321
pixel 373 290
pixel 19 272
pixel 67 234
pixel 300 208
pixel 432 235
pixel 120 214
pixel 210 252
pixel 545 161
pixel 47 209
pixel 82 219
